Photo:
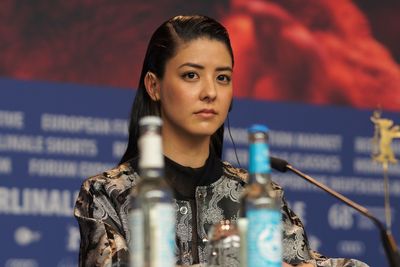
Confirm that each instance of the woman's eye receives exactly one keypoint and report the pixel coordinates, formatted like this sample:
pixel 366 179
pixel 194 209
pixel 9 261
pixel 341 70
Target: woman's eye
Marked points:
pixel 190 75
pixel 224 78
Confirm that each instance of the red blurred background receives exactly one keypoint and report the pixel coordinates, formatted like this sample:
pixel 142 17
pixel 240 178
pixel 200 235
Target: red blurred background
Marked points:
pixel 312 51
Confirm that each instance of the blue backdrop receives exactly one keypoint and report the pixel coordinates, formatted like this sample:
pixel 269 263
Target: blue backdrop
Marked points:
pixel 52 136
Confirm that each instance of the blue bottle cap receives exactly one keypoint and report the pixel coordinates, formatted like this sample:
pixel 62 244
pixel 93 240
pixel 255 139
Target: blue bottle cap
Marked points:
pixel 255 128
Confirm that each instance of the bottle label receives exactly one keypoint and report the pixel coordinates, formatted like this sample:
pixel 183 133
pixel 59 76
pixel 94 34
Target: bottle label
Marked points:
pixel 162 235
pixel 259 158
pixel 264 238
pixel 137 237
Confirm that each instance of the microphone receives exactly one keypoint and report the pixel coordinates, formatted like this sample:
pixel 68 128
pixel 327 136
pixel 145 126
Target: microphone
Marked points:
pixel 279 164
pixel 389 244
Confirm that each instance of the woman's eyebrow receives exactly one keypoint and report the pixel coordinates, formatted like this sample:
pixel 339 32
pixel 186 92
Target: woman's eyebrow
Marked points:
pixel 194 65
pixel 198 66
pixel 224 69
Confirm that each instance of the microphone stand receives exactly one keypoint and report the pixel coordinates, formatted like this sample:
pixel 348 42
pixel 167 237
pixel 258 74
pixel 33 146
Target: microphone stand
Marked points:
pixel 388 241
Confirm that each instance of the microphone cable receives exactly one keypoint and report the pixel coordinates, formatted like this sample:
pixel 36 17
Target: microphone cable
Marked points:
pixel 233 142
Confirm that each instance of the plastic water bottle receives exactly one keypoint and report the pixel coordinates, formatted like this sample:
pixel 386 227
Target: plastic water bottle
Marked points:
pixel 152 211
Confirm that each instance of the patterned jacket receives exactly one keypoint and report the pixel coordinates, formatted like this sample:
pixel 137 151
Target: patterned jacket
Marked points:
pixel 102 210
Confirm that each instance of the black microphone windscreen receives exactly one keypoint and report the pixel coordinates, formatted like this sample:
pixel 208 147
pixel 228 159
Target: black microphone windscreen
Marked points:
pixel 279 164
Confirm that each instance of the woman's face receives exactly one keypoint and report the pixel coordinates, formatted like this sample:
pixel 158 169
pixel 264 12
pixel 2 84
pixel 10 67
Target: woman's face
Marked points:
pixel 196 90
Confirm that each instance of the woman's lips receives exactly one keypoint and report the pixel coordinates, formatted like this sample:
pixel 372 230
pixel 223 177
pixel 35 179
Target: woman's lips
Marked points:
pixel 206 113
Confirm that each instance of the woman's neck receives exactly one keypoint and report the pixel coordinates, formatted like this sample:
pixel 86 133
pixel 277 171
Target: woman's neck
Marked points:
pixel 190 151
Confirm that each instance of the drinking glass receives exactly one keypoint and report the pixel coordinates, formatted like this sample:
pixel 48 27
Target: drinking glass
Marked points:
pixel 224 244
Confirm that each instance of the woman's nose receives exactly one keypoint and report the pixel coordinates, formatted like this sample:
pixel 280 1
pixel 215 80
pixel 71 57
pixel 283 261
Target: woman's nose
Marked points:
pixel 209 91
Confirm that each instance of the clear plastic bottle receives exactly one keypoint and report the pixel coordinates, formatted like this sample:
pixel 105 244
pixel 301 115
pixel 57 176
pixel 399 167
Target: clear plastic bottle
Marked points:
pixel 261 206
pixel 152 211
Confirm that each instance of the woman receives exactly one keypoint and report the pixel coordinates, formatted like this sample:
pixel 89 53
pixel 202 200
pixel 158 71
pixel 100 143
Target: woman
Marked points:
pixel 187 80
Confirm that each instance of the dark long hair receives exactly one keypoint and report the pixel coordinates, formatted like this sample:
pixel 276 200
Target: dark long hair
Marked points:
pixel 162 47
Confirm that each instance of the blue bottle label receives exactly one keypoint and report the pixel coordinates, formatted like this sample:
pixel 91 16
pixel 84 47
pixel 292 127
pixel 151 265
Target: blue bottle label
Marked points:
pixel 259 158
pixel 264 238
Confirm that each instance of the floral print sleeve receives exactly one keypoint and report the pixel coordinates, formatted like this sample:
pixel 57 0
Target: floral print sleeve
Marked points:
pixel 101 211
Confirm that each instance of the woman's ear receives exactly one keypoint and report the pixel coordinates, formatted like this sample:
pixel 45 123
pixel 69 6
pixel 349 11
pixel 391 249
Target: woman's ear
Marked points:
pixel 152 84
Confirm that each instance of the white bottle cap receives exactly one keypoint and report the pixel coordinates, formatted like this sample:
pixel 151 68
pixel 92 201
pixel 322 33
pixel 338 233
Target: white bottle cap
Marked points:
pixel 150 144
pixel 150 120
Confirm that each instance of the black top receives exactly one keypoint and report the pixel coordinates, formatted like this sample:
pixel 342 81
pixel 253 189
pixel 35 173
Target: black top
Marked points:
pixel 184 180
